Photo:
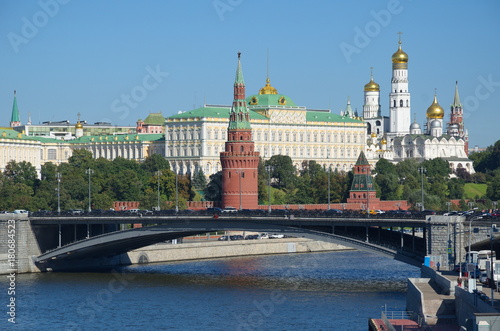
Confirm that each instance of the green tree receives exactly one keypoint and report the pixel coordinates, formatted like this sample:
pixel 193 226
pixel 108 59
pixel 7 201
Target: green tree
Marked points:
pixel 154 163
pixel 213 191
pixel 21 172
pixel 199 180
pixel 283 172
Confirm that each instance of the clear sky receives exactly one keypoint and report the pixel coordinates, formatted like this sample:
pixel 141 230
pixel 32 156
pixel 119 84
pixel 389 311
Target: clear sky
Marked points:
pixel 117 61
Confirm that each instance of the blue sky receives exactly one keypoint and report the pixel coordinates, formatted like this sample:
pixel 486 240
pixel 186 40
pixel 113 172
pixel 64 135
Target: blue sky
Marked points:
pixel 67 57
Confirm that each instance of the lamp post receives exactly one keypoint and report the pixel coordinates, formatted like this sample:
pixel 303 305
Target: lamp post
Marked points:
pixel 158 174
pixel 494 204
pixel 492 229
pixel 58 176
pixel 448 204
pixel 269 169
pixel 90 172
pixel 329 173
pixel 240 173
pixel 470 203
pixel 422 170
pixel 176 191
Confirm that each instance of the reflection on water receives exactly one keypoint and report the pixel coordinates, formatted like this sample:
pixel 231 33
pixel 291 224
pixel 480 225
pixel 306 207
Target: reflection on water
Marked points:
pixel 329 291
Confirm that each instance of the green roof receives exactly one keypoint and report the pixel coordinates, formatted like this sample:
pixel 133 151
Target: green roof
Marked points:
pixel 216 112
pixel 155 119
pixel 362 159
pixel 118 138
pixel 12 134
pixel 15 110
pixel 321 116
pixel 263 100
pixel 223 112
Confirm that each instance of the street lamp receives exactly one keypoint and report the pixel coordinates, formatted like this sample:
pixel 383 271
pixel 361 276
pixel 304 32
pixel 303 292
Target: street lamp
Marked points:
pixel 176 191
pixel 422 170
pixel 58 176
pixel 492 229
pixel 240 174
pixel 269 169
pixel 494 204
pixel 89 172
pixel 448 204
pixel 329 172
pixel 158 174
pixel 470 203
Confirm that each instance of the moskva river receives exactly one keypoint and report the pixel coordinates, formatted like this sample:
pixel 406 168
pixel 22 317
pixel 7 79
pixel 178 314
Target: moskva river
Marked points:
pixel 318 291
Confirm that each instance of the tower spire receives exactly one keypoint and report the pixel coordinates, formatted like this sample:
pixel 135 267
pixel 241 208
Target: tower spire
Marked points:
pixel 456 98
pixel 14 119
pixel 239 117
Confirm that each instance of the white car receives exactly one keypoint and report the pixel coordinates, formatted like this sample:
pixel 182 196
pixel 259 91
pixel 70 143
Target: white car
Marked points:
pixel 229 209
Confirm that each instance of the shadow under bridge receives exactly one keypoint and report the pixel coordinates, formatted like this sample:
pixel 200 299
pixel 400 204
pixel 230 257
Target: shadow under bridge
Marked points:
pixel 116 243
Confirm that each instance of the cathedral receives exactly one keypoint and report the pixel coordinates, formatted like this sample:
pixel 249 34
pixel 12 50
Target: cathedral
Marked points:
pixel 396 138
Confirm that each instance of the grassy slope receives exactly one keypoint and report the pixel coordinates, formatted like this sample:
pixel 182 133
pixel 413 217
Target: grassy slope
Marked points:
pixel 473 191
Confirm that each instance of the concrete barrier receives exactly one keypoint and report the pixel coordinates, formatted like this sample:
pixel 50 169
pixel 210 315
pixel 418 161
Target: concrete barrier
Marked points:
pixel 447 285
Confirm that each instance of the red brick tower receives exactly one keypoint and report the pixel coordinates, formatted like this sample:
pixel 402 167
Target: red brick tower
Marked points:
pixel 239 160
pixel 362 189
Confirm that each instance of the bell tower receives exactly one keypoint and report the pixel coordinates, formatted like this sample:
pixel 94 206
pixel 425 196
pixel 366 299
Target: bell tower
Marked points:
pixel 239 160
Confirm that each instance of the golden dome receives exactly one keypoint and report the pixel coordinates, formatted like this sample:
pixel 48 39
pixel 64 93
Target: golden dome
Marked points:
pixel 374 135
pixel 79 125
pixel 268 89
pixel 399 56
pixel 435 110
pixel 383 141
pixel 372 86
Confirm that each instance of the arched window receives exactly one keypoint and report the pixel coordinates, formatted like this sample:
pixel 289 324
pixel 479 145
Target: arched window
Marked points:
pixel 407 103
pixel 400 103
pixel 394 103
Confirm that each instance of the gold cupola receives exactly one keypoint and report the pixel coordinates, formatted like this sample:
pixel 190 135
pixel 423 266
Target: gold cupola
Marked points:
pixel 435 110
pixel 372 86
pixel 79 125
pixel 399 56
pixel 268 89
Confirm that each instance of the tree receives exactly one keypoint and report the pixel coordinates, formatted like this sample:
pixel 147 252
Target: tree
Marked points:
pixel 81 158
pixel 283 171
pixel 213 191
pixel 154 163
pixel 199 180
pixel 21 172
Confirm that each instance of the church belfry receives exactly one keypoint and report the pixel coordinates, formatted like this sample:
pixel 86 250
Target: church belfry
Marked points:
pixel 399 98
pixel 239 160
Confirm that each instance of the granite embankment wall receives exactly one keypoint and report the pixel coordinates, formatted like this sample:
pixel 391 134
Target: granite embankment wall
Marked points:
pixel 220 249
pixel 18 245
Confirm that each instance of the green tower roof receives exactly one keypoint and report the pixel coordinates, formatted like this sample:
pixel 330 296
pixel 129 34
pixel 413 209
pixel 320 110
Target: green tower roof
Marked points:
pixel 15 111
pixel 155 119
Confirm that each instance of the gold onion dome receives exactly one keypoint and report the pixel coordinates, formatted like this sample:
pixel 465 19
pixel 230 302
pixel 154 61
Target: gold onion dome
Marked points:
pixel 268 89
pixel 372 86
pixel 399 56
pixel 79 125
pixel 383 141
pixel 374 135
pixel 435 110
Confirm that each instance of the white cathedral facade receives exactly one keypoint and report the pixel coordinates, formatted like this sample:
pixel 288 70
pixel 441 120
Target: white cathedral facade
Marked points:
pixel 395 138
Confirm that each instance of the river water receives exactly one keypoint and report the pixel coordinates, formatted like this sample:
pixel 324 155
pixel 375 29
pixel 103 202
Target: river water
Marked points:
pixel 318 291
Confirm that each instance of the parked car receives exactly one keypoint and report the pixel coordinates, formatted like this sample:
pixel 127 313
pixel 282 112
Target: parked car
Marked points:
pixel 264 235
pixel 229 209
pixel 427 212
pixel 331 212
pixel 214 210
pixel 252 237
pixel 223 238
pixel 21 211
pixel 277 236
